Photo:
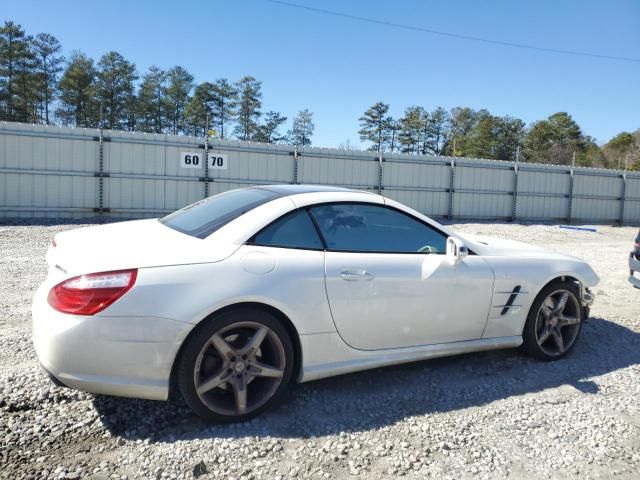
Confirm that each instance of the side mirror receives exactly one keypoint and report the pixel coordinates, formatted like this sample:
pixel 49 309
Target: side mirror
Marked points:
pixel 456 250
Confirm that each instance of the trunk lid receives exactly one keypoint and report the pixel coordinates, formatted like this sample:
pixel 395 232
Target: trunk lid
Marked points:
pixel 133 244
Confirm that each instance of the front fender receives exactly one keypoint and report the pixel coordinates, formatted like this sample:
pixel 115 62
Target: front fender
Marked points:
pixel 530 275
pixel 580 271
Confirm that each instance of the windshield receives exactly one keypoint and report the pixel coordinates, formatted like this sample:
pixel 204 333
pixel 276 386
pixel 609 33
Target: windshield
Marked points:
pixel 202 218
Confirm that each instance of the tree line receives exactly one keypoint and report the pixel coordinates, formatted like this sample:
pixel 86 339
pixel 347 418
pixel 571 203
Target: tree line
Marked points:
pixel 39 85
pixel 464 132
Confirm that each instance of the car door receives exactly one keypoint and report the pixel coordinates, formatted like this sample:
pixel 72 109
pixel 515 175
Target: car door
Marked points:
pixel 389 283
pixel 287 258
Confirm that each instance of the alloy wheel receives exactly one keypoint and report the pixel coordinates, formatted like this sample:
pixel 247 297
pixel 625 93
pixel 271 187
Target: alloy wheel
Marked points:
pixel 558 322
pixel 240 368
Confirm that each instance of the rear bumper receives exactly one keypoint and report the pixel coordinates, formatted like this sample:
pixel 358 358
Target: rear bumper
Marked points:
pixel 634 268
pixel 55 380
pixel 125 356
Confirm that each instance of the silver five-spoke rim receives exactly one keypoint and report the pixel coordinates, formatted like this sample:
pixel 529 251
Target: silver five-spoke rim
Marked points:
pixel 558 322
pixel 240 368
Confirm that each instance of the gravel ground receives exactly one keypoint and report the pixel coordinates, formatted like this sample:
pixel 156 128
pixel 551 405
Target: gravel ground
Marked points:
pixel 486 415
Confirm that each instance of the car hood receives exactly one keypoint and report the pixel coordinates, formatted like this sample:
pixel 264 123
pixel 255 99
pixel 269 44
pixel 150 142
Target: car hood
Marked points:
pixel 133 244
pixel 499 247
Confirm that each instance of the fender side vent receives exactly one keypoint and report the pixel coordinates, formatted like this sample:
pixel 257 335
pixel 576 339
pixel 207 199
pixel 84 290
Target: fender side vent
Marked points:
pixel 512 298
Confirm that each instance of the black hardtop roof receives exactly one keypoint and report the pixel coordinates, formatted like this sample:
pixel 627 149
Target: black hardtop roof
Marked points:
pixel 286 190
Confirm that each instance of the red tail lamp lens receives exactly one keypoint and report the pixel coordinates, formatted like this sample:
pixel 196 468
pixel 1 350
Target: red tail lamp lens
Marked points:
pixel 92 293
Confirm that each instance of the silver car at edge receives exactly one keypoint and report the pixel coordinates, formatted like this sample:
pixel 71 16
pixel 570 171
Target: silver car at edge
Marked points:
pixel 231 298
pixel 634 263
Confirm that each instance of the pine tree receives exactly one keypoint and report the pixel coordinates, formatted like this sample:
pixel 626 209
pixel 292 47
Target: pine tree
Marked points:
pixel 592 155
pixel 510 137
pixel 268 131
pixel 48 66
pixel 435 132
pixel 115 91
pixel 394 131
pixel 621 150
pixel 179 85
pixel 152 103
pixel 78 106
pixel 302 128
pixel 374 126
pixel 411 129
pixel 198 112
pixel 480 140
pixel 14 53
pixel 249 104
pixel 224 102
pixel 554 140
pixel 460 122
pixel 25 106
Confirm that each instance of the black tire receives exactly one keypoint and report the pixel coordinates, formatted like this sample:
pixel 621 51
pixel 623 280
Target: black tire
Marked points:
pixel 216 404
pixel 537 324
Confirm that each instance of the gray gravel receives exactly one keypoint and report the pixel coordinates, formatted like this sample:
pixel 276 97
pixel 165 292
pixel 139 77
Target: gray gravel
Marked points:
pixel 486 415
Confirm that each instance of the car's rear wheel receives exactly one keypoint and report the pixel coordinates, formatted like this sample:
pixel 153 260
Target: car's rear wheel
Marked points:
pixel 554 321
pixel 235 365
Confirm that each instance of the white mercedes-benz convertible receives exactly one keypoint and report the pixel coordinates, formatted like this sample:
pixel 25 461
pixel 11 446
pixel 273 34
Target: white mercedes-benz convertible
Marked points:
pixel 231 298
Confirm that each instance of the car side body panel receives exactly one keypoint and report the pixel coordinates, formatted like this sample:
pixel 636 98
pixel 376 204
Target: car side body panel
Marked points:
pixel 523 278
pixel 326 354
pixel 129 347
pixel 129 356
pixel 407 300
pixel 289 280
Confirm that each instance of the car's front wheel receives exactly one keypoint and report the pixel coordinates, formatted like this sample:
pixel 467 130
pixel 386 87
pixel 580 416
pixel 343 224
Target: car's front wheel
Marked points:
pixel 235 365
pixel 554 321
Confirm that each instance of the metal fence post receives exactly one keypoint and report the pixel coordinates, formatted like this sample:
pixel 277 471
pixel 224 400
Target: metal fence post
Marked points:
pixel 295 164
pixel 514 206
pixel 380 167
pixel 100 172
pixel 622 198
pixel 452 180
pixel 570 210
pixel 206 164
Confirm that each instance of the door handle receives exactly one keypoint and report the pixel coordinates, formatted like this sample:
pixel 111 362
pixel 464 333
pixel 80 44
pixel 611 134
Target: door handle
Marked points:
pixel 353 275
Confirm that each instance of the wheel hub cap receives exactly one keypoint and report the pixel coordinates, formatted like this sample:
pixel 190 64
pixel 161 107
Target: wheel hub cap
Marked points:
pixel 239 367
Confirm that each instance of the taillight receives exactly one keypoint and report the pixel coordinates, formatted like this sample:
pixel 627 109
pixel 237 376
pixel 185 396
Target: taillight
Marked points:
pixel 92 293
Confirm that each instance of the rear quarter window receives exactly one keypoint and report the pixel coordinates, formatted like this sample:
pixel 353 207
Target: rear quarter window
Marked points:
pixel 202 218
pixel 293 230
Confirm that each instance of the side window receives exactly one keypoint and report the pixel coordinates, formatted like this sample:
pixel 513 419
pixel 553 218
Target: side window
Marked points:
pixel 293 230
pixel 372 228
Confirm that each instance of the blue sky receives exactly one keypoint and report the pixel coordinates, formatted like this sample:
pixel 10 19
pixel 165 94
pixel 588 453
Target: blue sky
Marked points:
pixel 338 67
